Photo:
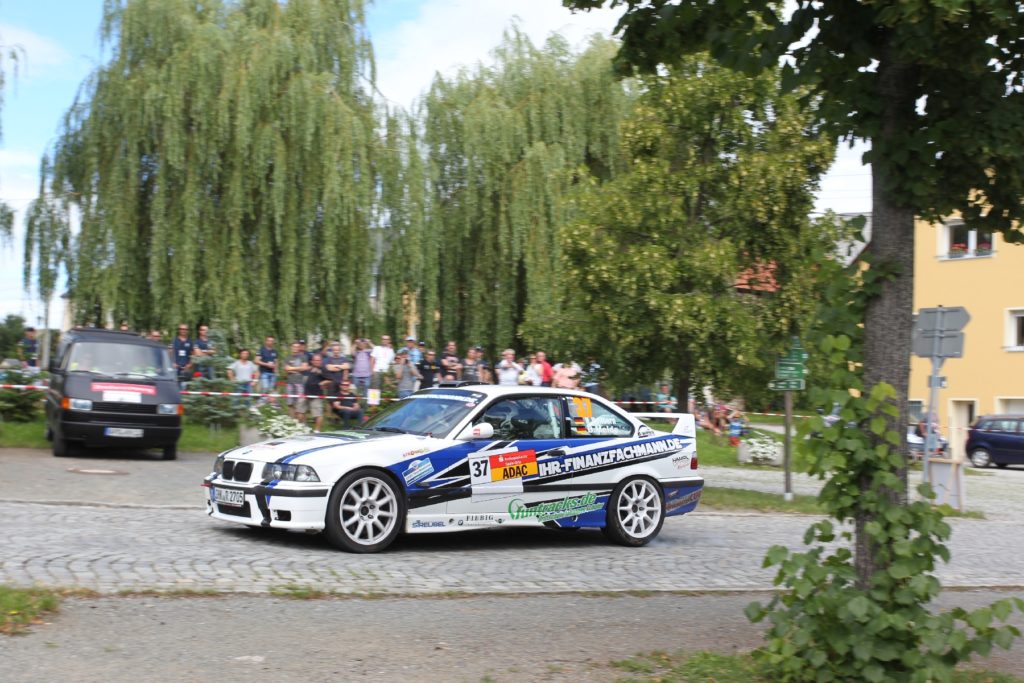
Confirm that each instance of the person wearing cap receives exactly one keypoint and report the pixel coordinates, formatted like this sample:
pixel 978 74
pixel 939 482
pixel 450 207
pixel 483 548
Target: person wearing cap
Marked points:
pixel 346 406
pixel 406 373
pixel 415 354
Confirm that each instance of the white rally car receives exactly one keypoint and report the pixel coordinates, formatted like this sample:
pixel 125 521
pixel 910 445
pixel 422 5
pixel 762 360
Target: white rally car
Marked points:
pixel 466 456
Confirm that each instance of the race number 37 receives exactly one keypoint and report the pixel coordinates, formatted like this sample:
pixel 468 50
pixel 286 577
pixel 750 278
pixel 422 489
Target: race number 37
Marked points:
pixel 502 467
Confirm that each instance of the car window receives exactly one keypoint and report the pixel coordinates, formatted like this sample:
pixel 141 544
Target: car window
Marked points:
pixel 983 425
pixel 1002 426
pixel 119 360
pixel 592 419
pixel 525 417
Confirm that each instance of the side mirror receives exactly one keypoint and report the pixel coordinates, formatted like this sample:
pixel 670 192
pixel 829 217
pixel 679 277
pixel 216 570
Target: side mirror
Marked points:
pixel 484 430
pixel 54 367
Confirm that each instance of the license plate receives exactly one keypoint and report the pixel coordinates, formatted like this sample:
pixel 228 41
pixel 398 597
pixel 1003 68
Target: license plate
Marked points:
pixel 123 432
pixel 232 497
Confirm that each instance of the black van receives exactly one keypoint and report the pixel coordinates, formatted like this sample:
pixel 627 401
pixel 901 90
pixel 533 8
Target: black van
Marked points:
pixel 112 388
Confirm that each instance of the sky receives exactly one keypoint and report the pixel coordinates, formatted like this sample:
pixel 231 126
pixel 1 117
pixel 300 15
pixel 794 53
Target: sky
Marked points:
pixel 412 39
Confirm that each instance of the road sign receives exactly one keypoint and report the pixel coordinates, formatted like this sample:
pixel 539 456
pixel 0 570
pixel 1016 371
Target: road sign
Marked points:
pixel 949 319
pixel 786 385
pixel 794 356
pixel 790 371
pixel 939 344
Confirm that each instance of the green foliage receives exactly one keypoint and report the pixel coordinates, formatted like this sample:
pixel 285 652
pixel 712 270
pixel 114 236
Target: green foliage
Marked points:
pixel 22 607
pixel 502 142
pixel 718 178
pixel 17 405
pixel 12 329
pixel 224 165
pixel 214 411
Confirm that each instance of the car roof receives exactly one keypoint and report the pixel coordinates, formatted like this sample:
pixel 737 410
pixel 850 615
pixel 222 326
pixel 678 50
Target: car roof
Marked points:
pixel 503 390
pixel 100 335
pixel 1003 416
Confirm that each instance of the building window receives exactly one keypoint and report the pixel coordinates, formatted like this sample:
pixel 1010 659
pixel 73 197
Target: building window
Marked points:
pixel 915 411
pixel 1015 329
pixel 962 242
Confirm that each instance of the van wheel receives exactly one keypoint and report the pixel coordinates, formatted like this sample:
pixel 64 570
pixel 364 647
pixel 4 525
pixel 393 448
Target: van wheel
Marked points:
pixel 61 447
pixel 171 452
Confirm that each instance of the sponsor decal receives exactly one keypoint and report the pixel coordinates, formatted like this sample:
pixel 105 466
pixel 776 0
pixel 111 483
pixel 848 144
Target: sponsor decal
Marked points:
pixel 570 506
pixel 612 456
pixel 478 520
pixel 419 524
pixel 676 503
pixel 579 425
pixel 128 388
pixel 417 470
pixel 607 425
pixel 503 467
pixel 414 453
pixel 681 462
pixel 513 465
pixel 645 432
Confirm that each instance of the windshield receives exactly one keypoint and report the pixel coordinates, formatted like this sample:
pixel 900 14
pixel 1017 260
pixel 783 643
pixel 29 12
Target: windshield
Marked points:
pixel 431 413
pixel 119 360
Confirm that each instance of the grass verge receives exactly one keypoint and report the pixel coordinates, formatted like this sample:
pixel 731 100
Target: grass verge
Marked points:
pixel 194 438
pixel 720 498
pixel 707 667
pixel 22 607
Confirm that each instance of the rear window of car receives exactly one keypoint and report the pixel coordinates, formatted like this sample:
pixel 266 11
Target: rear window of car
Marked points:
pixel 1001 425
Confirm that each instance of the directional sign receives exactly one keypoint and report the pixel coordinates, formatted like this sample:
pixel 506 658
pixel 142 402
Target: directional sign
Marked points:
pixel 794 356
pixel 786 385
pixel 790 371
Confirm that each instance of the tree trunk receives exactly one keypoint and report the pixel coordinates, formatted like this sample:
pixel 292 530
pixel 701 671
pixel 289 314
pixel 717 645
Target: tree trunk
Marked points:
pixel 681 377
pixel 889 317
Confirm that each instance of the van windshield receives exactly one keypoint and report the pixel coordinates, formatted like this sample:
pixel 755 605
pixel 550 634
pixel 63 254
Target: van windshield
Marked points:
pixel 120 360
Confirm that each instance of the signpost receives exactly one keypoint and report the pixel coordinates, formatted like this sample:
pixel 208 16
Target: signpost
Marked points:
pixel 789 377
pixel 937 336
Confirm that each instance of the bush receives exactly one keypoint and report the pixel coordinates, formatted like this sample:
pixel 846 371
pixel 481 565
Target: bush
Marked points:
pixel 220 411
pixel 19 405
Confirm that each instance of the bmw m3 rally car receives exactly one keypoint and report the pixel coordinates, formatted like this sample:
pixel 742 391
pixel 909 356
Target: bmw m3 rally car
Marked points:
pixel 466 456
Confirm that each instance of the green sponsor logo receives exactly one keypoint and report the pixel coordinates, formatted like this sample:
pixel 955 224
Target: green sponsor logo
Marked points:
pixel 544 512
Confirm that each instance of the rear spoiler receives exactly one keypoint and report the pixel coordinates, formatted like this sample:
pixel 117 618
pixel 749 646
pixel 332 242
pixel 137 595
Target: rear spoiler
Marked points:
pixel 685 424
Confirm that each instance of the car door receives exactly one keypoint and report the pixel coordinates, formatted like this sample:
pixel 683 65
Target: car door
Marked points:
pixel 1000 435
pixel 505 472
pixel 1015 444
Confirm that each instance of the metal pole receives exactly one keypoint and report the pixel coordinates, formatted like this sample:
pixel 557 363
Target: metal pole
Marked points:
pixel 787 446
pixel 933 394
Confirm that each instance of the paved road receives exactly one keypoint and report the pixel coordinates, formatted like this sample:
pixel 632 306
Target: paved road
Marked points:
pixel 144 528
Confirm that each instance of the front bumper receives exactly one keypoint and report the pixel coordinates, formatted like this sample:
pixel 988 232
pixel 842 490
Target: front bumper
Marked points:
pixel 91 429
pixel 280 505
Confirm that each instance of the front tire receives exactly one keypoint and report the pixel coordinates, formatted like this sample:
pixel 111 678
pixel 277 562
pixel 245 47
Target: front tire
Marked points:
pixel 170 452
pixel 636 511
pixel 61 447
pixel 365 512
pixel 980 458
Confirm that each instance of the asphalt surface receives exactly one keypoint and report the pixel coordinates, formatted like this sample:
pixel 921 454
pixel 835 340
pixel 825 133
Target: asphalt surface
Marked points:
pixel 542 604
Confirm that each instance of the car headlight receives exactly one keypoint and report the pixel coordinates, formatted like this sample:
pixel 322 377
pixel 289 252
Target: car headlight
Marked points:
pixel 275 470
pixel 218 465
pixel 80 404
pixel 167 409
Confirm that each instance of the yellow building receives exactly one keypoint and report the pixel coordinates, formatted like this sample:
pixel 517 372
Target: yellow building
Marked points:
pixel 954 266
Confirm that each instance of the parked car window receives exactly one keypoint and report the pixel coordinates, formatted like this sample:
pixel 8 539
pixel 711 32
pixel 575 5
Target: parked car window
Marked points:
pixel 1002 426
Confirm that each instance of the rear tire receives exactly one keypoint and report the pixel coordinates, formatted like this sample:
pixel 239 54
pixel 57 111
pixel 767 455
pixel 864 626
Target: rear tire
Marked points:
pixel 636 511
pixel 1001 465
pixel 980 458
pixel 365 513
pixel 170 452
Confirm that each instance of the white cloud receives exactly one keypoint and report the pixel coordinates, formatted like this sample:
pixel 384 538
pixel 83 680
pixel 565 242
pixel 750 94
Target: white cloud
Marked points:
pixel 40 53
pixel 449 34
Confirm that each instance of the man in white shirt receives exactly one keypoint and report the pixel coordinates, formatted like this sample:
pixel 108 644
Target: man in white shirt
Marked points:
pixel 381 357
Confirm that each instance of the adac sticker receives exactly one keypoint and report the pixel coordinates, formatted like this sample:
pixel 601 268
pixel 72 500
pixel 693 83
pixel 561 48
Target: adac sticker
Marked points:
pixel 417 470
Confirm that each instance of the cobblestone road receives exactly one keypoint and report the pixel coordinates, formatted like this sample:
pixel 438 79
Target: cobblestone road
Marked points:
pixel 144 528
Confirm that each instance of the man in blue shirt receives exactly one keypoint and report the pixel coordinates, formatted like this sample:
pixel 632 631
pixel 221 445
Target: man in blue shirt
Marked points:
pixel 266 359
pixel 181 349
pixel 202 347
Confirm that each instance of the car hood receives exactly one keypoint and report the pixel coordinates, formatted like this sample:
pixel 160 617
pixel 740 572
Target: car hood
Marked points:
pixel 331 445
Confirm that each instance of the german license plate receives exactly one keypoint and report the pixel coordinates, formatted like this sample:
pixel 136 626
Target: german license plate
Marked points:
pixel 123 432
pixel 232 497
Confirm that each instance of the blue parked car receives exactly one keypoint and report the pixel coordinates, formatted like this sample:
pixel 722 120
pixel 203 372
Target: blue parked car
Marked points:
pixel 996 440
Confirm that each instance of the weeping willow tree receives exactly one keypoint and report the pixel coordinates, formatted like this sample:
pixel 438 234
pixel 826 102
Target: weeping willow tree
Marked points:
pixel 8 55
pixel 501 142
pixel 223 167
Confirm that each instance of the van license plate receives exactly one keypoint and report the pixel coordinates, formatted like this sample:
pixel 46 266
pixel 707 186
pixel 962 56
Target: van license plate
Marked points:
pixel 123 432
pixel 229 496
